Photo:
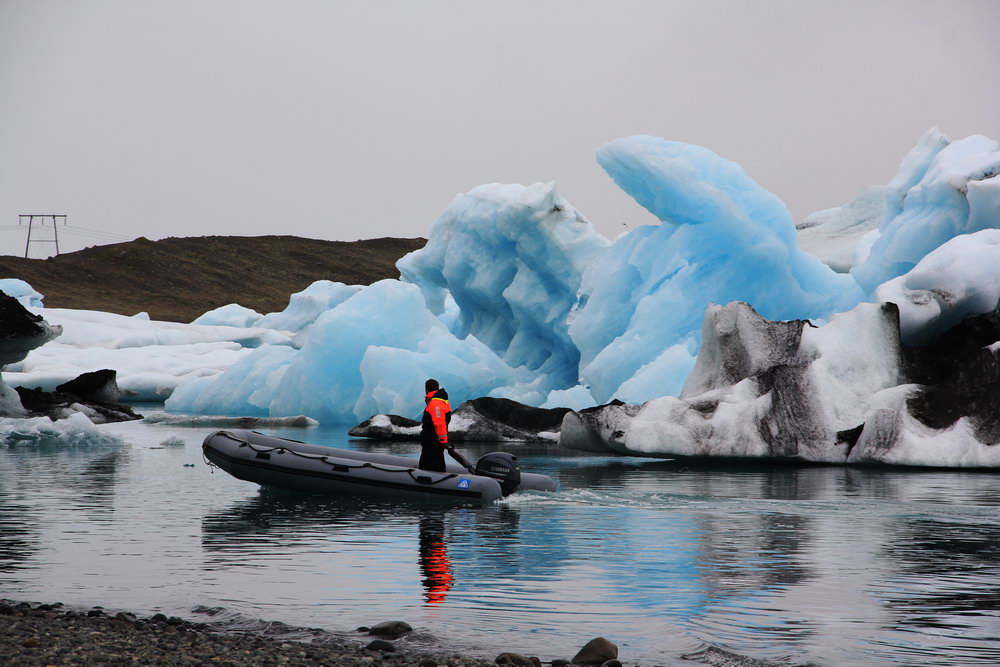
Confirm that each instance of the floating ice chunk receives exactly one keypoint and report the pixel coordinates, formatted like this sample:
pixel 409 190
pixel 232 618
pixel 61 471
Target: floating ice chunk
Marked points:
pixel 305 306
pixel 231 315
pixel 246 387
pixel 394 377
pixel 22 291
pixel 915 444
pixel 838 236
pixel 10 402
pixel 74 431
pixel 959 279
pixel 90 328
pixel 936 206
pixel 724 238
pixel 334 379
pixel 173 441
pixel 224 421
pixel 370 354
pixel 511 257
pixel 149 373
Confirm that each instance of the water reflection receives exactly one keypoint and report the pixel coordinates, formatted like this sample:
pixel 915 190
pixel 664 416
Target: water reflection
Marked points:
pixel 953 555
pixel 80 478
pixel 18 538
pixel 95 482
pixel 828 565
pixel 435 566
pixel 474 546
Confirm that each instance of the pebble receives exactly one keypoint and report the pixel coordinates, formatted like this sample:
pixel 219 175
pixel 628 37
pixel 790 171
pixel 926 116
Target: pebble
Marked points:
pixel 596 652
pixel 390 629
pixel 381 645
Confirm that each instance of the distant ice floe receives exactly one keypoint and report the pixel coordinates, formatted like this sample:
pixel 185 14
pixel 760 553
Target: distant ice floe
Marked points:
pixel 152 357
pixel 74 431
pixel 222 421
pixel 22 291
pixel 302 310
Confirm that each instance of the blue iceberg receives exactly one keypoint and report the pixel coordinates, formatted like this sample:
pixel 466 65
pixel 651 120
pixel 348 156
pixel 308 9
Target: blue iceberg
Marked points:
pixel 516 295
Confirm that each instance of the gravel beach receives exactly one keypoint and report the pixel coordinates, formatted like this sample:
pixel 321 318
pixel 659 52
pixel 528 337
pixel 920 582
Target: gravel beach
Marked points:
pixel 50 634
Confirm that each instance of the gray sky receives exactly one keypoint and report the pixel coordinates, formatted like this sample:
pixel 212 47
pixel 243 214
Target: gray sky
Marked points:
pixel 347 120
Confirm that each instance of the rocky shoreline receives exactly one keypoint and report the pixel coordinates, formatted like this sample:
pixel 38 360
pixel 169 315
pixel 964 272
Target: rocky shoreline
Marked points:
pixel 54 634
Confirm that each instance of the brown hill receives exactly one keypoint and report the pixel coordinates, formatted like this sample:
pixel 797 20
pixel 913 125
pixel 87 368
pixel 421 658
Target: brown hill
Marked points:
pixel 178 279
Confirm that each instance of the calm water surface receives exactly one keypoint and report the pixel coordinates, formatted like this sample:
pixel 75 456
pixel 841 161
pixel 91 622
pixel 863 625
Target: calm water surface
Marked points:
pixel 829 565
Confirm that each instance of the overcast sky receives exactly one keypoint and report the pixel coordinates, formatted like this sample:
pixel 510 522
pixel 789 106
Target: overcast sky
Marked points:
pixel 347 120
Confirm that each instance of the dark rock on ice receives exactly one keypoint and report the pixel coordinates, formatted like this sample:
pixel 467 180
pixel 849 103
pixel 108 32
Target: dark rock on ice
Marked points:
pixel 599 429
pixel 478 420
pixel 387 427
pixel 64 401
pixel 21 331
pixel 485 419
pixel 94 394
pixel 99 386
pixel 960 374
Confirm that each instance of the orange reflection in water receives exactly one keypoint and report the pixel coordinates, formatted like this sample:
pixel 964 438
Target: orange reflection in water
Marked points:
pixel 434 562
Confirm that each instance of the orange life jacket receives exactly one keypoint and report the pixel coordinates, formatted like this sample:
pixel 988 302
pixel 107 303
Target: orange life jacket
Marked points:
pixel 438 409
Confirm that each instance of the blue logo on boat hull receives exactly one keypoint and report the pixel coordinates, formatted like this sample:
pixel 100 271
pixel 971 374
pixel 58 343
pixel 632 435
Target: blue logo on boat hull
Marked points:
pixel 463 483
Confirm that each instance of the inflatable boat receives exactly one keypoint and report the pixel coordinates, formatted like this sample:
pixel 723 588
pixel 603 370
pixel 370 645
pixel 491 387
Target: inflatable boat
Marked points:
pixel 289 464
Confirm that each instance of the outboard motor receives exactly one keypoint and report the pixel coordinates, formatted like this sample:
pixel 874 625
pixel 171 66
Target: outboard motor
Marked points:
pixel 502 467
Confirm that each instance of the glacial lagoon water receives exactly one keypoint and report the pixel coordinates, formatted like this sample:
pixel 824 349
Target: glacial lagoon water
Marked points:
pixel 833 566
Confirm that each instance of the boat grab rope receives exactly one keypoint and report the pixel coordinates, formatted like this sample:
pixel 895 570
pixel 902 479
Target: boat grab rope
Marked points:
pixel 261 449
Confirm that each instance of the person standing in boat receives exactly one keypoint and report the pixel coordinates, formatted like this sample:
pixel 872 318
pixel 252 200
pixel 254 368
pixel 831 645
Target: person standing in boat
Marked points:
pixel 434 427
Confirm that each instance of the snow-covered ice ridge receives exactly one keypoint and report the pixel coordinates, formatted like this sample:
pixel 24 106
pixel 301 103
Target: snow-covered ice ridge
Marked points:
pixel 516 295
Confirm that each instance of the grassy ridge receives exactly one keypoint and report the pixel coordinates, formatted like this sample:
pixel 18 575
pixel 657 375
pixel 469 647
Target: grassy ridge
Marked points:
pixel 178 279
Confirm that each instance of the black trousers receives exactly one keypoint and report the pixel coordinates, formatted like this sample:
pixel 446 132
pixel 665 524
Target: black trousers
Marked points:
pixel 431 457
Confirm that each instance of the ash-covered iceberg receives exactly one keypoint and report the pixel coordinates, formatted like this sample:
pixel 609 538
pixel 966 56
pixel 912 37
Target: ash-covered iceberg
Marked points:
pixel 845 392
pixel 723 238
pixel 960 279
